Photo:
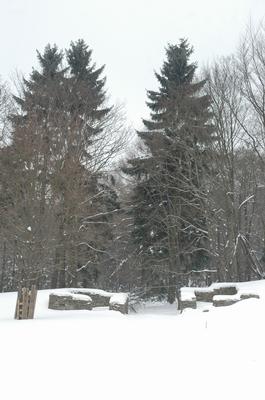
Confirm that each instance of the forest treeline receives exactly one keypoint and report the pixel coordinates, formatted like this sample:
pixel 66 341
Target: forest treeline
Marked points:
pixel 189 196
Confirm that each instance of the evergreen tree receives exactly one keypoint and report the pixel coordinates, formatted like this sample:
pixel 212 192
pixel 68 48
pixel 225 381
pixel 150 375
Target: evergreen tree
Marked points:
pixel 39 91
pixel 55 133
pixel 168 213
pixel 87 87
pixel 32 154
pixel 79 61
pixel 87 98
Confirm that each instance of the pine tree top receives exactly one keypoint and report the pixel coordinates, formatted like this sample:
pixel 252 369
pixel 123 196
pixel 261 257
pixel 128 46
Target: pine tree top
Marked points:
pixel 177 69
pixel 86 77
pixel 178 109
pixel 79 58
pixel 50 61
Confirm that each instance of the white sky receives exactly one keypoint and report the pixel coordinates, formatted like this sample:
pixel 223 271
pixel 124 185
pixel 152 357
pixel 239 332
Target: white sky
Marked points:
pixel 128 36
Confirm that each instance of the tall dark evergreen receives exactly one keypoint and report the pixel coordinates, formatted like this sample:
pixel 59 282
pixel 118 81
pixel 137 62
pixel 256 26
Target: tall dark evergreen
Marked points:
pixel 87 101
pixel 32 153
pixel 168 214
pixel 82 68
pixel 88 86
pixel 40 89
pixel 56 130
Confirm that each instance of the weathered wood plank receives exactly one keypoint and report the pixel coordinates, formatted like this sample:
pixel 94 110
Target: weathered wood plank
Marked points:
pixel 26 301
pixel 32 302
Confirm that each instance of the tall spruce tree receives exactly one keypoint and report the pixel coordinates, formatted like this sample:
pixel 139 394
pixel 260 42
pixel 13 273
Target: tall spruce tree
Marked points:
pixel 88 87
pixel 39 90
pixel 32 154
pixel 168 213
pixel 60 119
pixel 86 100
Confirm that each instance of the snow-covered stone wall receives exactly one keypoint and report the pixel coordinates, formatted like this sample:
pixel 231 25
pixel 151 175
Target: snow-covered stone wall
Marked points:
pixel 86 299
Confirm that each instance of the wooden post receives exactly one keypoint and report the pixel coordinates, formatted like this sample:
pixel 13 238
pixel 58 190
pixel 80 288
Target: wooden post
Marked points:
pixel 32 302
pixel 26 301
pixel 18 304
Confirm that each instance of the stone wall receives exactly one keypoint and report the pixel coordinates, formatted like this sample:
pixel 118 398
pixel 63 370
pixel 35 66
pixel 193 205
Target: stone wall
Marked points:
pixel 86 299
pixel 219 294
pixel 68 301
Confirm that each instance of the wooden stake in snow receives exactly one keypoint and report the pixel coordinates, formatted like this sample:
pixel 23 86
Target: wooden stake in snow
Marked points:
pixel 26 301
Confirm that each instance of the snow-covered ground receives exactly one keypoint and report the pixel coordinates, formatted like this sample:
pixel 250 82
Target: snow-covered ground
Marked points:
pixel 155 353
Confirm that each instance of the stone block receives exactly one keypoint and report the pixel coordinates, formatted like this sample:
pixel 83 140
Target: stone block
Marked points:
pixel 119 302
pixel 246 296
pixel 68 301
pixel 188 303
pixel 225 290
pixel 204 295
pixel 100 298
pixel 223 302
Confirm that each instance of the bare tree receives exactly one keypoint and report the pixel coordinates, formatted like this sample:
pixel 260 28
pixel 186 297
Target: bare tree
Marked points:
pixel 6 107
pixel 236 86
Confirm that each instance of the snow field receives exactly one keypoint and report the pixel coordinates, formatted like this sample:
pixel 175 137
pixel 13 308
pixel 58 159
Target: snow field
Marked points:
pixel 153 354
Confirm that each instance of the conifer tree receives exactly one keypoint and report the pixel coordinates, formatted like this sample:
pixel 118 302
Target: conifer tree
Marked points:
pixel 87 98
pixel 168 213
pixel 32 154
pixel 39 90
pixel 88 86
pixel 54 135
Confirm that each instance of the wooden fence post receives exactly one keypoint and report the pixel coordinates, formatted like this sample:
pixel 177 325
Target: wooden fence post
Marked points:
pixel 26 301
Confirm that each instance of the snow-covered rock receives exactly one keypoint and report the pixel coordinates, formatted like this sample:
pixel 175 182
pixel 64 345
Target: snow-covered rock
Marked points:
pixel 245 296
pixel 69 301
pixel 119 302
pixel 220 294
pixel 204 294
pixel 99 297
pixel 85 299
pixel 225 300
pixel 187 298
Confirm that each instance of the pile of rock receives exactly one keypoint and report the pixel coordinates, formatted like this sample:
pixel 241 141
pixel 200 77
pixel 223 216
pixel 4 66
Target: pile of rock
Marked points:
pixel 219 295
pixel 86 299
pixel 224 300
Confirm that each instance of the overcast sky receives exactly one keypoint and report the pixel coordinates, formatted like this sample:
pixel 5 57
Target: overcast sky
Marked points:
pixel 128 36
